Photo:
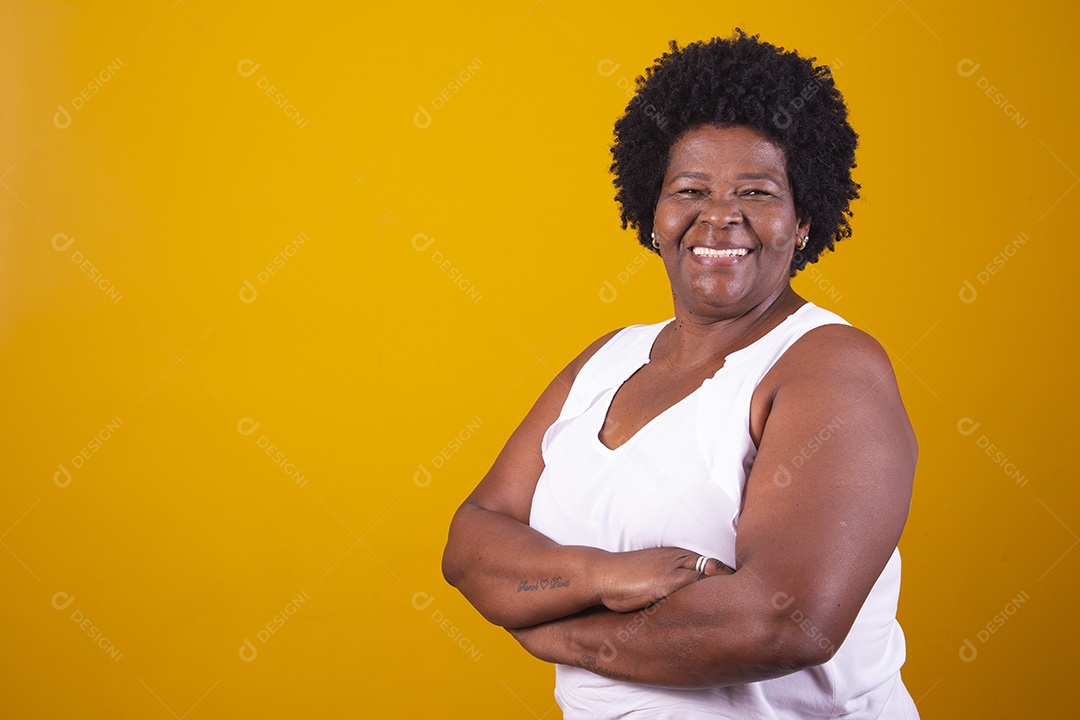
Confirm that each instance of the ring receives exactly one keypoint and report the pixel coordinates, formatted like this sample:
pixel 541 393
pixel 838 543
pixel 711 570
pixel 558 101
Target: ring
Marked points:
pixel 702 561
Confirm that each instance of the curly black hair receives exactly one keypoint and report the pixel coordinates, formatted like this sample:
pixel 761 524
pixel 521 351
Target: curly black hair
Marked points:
pixel 741 81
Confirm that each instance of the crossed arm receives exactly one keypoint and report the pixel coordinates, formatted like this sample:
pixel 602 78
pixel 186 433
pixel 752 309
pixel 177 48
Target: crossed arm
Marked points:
pixel 824 506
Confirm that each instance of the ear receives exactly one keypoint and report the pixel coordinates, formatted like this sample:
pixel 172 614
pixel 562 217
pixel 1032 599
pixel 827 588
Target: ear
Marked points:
pixel 802 227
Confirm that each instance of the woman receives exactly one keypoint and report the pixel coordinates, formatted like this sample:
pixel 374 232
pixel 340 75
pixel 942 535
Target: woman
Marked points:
pixel 699 517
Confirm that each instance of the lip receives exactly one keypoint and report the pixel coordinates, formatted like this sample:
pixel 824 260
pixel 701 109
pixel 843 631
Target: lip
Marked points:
pixel 719 261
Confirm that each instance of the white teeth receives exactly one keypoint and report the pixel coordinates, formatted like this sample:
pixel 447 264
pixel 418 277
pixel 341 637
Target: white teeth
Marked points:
pixel 709 252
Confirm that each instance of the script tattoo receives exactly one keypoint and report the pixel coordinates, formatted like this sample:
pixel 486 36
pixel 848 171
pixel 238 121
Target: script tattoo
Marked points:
pixel 545 584
pixel 588 662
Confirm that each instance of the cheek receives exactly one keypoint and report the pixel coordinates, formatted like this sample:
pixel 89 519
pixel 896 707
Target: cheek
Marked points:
pixel 778 230
pixel 672 221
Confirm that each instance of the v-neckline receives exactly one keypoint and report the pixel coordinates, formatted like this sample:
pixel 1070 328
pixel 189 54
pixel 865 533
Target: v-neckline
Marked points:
pixel 612 392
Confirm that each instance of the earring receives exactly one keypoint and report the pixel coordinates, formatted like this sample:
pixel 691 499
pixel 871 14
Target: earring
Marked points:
pixel 655 242
pixel 801 245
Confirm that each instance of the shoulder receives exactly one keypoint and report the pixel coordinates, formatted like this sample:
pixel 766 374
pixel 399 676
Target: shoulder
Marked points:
pixel 628 338
pixel 837 349
pixel 840 370
pixel 571 371
pixel 835 360
pixel 598 343
pixel 837 346
pixel 835 371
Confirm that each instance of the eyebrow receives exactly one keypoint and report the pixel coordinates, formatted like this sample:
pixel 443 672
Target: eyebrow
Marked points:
pixel 757 176
pixel 743 176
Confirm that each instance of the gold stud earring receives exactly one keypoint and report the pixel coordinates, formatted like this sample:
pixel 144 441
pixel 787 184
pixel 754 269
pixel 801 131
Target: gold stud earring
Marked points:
pixel 801 245
pixel 655 242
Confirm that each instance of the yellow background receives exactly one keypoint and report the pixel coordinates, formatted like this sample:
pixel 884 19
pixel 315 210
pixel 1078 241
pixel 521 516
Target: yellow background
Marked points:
pixel 364 359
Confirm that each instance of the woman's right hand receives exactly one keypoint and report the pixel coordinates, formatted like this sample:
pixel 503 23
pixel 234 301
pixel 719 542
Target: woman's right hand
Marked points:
pixel 634 580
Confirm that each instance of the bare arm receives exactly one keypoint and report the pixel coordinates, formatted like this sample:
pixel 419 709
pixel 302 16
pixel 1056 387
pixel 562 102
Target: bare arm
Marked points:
pixel 826 502
pixel 517 577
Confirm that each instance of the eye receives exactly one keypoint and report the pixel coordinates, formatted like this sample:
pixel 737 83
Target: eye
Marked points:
pixel 757 192
pixel 688 191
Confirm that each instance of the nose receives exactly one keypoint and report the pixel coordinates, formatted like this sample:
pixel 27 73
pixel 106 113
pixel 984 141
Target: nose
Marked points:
pixel 720 211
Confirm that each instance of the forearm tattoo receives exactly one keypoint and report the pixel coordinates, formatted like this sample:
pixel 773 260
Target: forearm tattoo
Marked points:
pixel 546 584
pixel 588 662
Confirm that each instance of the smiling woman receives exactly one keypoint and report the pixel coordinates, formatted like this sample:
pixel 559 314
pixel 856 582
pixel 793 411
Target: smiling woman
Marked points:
pixel 726 203
pixel 699 517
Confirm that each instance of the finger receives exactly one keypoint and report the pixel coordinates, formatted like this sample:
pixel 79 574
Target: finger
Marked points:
pixel 697 564
pixel 701 565
pixel 714 567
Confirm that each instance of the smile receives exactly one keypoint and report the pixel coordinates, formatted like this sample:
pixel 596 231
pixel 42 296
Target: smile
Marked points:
pixel 710 252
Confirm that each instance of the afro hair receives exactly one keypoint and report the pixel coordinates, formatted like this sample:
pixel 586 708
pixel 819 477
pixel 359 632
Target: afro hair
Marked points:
pixel 741 81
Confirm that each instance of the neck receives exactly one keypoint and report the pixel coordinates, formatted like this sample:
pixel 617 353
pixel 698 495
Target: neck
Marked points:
pixel 696 339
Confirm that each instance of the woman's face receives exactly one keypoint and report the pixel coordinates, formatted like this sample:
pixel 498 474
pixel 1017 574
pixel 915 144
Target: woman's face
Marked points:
pixel 726 221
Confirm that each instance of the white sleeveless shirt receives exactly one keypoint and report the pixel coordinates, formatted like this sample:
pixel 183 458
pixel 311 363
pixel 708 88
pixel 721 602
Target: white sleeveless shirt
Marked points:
pixel 678 482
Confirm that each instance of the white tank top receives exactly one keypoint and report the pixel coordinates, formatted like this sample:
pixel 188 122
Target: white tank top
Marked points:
pixel 673 484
